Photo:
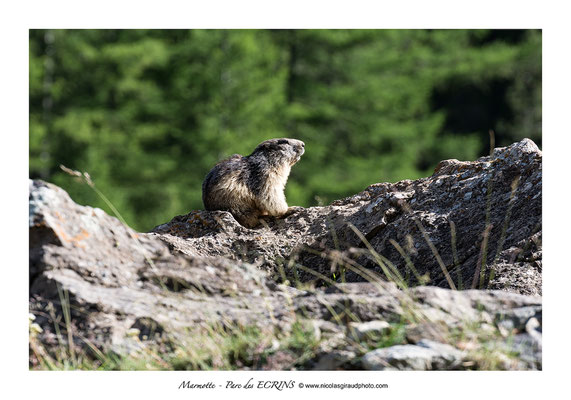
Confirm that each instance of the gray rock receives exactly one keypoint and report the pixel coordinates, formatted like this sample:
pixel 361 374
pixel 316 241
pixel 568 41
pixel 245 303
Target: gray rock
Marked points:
pixel 334 360
pixel 517 319
pixel 322 238
pixel 525 350
pixel 425 355
pixel 204 268
pixel 371 329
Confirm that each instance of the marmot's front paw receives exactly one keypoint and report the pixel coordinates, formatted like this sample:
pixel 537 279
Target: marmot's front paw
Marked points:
pixel 292 210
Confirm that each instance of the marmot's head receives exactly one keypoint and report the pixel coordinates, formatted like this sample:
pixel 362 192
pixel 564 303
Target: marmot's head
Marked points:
pixel 280 151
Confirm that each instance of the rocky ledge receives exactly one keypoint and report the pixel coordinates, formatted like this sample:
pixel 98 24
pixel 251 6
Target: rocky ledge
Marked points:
pixel 439 273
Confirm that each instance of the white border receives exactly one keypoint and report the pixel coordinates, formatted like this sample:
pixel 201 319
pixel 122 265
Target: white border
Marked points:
pixel 18 17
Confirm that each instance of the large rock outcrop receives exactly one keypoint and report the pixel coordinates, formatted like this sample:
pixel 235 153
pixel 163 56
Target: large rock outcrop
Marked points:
pixel 204 268
pixel 479 221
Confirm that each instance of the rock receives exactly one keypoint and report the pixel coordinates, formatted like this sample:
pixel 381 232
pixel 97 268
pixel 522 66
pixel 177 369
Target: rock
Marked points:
pixel 334 360
pixel 528 348
pixel 517 319
pixel 327 328
pixel 426 355
pixel 427 329
pixel 421 227
pixel 124 290
pixel 524 350
pixel 371 329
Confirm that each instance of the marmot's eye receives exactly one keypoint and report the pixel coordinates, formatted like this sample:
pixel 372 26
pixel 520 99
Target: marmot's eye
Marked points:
pixel 282 141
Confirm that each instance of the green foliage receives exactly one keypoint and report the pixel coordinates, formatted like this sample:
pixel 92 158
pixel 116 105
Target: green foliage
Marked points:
pixel 148 112
pixel 231 348
pixel 395 336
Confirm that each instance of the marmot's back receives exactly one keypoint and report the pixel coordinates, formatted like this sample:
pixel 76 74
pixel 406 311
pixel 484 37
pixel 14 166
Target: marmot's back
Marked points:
pixel 252 186
pixel 224 188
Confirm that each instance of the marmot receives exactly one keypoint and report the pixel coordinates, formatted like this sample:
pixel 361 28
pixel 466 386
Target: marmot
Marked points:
pixel 253 186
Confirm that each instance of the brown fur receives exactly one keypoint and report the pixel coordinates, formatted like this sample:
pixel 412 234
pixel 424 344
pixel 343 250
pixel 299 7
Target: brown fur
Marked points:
pixel 253 186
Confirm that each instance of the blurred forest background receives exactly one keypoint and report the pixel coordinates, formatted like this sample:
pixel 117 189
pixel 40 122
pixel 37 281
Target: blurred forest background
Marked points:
pixel 148 112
